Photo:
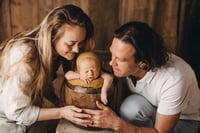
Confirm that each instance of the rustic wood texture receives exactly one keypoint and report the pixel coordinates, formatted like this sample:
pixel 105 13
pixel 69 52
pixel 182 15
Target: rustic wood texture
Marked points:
pixel 166 16
pixel 82 100
pixel 173 19
pixel 5 20
pixel 161 15
pixel 67 127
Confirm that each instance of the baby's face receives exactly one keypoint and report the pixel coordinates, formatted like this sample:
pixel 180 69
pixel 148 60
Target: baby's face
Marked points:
pixel 89 69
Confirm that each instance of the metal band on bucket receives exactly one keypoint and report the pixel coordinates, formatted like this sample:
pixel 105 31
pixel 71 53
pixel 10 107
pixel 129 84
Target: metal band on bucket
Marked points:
pixel 84 90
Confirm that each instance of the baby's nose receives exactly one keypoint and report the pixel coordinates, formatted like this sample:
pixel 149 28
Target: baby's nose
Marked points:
pixel 90 73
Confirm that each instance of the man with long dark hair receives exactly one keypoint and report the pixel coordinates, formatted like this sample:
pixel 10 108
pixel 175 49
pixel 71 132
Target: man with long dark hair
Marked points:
pixel 165 94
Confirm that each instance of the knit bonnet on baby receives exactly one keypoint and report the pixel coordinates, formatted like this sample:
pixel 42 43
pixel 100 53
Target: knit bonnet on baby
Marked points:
pixel 87 55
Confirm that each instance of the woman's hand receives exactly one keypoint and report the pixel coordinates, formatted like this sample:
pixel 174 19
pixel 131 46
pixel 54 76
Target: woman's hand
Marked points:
pixel 76 115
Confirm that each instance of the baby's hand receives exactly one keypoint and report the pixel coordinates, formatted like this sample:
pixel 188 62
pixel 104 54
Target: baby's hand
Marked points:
pixel 104 99
pixel 72 75
pixel 86 80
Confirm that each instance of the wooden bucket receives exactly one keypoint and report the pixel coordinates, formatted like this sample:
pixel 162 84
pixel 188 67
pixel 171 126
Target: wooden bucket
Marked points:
pixel 83 97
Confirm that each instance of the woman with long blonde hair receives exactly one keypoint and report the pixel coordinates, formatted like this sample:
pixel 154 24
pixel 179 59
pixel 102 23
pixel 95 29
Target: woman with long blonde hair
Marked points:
pixel 28 63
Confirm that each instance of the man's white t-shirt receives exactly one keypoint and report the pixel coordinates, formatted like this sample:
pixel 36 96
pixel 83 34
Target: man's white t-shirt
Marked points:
pixel 172 89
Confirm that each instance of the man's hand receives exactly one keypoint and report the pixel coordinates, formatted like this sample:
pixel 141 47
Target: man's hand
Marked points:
pixel 103 118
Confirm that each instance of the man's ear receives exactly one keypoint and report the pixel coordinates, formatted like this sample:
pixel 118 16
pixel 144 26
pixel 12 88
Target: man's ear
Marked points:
pixel 142 65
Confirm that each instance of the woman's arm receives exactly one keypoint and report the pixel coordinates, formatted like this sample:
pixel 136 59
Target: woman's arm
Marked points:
pixel 16 74
pixel 70 113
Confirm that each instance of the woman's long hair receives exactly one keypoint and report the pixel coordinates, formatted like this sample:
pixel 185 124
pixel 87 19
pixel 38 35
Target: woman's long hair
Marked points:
pixel 41 40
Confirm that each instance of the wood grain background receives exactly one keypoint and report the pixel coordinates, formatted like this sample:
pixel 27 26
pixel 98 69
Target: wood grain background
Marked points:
pixel 175 20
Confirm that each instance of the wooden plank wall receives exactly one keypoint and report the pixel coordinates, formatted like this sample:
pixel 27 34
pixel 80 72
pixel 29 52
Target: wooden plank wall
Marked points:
pixel 107 15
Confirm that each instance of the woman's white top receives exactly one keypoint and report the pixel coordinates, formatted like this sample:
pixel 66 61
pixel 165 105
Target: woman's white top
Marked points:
pixel 16 114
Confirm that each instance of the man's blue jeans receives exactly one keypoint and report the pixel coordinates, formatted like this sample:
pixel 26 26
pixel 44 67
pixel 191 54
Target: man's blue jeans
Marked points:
pixel 139 111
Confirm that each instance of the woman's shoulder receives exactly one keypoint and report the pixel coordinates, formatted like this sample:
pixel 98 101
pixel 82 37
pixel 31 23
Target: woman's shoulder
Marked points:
pixel 21 47
pixel 19 50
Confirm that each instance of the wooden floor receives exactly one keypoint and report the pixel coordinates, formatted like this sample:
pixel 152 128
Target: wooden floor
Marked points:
pixel 67 127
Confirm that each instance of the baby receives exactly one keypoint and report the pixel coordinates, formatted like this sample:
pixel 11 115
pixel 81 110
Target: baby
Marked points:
pixel 88 69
